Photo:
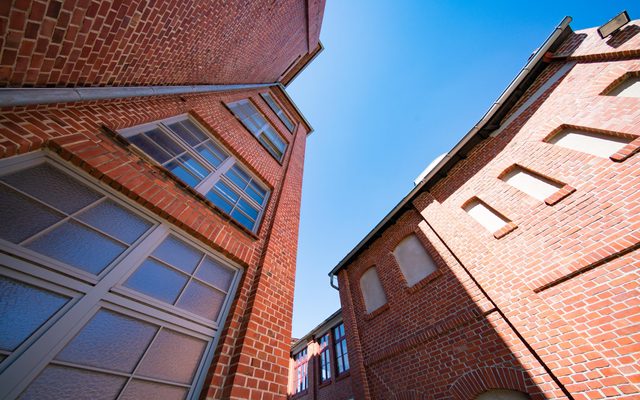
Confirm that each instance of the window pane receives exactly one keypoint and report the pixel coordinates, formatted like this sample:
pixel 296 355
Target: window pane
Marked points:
pixel 216 274
pixel 219 201
pixel 271 148
pixel 53 187
pixel 137 390
pixel 163 140
pixel 23 309
pixel 22 217
pixel 193 128
pixel 156 280
pixel 173 357
pixel 186 135
pixel 194 166
pixel 201 300
pixel 179 254
pixel 248 209
pixel 236 178
pixel 275 138
pixel 212 153
pixel 116 220
pixel 110 341
pixel 56 383
pixel 152 149
pixel 227 191
pixel 78 246
pixel 243 219
pixel 181 172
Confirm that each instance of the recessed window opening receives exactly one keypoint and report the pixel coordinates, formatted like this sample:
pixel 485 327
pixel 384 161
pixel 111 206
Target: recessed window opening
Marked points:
pixel 251 118
pixel 340 343
pixel 535 185
pixel 275 107
pixel 301 371
pixel 485 216
pixel 628 88
pixel 597 144
pixel 414 261
pixel 372 291
pixel 325 359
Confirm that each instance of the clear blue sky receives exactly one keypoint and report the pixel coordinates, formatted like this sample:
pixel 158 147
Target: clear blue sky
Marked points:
pixel 399 83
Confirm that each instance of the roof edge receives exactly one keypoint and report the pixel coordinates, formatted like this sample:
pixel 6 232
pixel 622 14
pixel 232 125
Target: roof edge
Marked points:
pixel 452 157
pixel 318 328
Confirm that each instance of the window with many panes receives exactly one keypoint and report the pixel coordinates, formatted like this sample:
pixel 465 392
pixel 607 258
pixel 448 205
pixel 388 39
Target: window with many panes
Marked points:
pixel 301 371
pixel 340 344
pixel 257 124
pixel 101 298
pixel 186 149
pixel 275 107
pixel 325 358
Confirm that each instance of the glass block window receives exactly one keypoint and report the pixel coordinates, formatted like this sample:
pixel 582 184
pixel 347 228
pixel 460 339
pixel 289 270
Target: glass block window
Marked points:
pixel 340 343
pixel 188 151
pixel 256 123
pixel 99 299
pixel 301 371
pixel 275 107
pixel 325 359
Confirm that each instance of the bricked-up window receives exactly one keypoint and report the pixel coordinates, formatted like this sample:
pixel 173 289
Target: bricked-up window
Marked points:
pixel 531 183
pixel 414 261
pixel 259 127
pixel 485 216
pixel 325 359
pixel 275 107
pixel 186 149
pixel 597 144
pixel 100 295
pixel 628 88
pixel 301 371
pixel 340 340
pixel 372 291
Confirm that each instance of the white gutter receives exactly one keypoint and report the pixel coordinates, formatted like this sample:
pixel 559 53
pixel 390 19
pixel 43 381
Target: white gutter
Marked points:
pixel 487 116
pixel 11 97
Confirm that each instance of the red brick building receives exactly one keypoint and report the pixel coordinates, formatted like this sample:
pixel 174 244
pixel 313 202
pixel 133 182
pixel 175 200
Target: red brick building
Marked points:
pixel 512 269
pixel 319 366
pixel 150 168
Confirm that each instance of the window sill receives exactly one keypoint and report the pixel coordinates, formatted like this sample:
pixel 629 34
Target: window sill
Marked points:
pixel 627 151
pixel 564 191
pixel 343 375
pixel 502 232
pixel 424 281
pixel 326 383
pixel 300 394
pixel 376 312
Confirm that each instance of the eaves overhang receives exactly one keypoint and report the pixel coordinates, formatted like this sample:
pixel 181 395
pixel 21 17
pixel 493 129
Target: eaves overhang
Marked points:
pixel 480 131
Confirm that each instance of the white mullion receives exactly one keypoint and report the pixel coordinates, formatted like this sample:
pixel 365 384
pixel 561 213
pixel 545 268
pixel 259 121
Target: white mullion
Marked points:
pixel 207 184
pixel 189 280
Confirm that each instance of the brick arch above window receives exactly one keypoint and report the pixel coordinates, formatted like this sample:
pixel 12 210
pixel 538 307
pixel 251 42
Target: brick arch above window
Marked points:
pixel 372 291
pixel 474 383
pixel 413 259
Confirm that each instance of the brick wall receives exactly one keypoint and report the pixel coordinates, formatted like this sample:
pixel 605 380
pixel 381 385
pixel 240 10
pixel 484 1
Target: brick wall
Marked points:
pixel 551 307
pixel 163 42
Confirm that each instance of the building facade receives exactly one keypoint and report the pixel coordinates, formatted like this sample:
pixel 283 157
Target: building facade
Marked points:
pixel 511 270
pixel 151 166
pixel 319 365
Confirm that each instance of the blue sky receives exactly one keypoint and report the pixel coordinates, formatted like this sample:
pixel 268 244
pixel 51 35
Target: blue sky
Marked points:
pixel 399 83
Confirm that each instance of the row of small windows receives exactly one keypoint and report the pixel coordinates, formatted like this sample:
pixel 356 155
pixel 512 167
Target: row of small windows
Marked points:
pixel 341 358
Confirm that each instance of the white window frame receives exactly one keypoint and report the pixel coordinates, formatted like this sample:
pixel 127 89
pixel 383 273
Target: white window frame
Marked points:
pixel 88 296
pixel 217 174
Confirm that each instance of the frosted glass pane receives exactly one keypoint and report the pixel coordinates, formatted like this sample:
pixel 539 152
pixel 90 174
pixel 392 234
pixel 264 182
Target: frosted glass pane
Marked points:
pixel 110 341
pixel 78 246
pixel 61 383
pixel 534 185
pixel 54 187
pixel 23 309
pixel 486 217
pixel 22 217
pixel 414 261
pixel 628 88
pixel 177 253
pixel 157 280
pixel 201 300
pixel 596 144
pixel 116 221
pixel 150 390
pixel 173 357
pixel 216 274
pixel 372 291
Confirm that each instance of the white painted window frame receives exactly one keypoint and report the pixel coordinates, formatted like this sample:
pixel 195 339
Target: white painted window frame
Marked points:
pixel 217 174
pixel 89 296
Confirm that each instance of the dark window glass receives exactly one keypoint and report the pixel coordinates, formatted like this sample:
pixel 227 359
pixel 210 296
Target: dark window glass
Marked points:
pixel 325 359
pixel 340 343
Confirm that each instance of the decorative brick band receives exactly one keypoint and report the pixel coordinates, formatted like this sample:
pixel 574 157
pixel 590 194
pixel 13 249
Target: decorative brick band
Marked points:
pixel 511 226
pixel 564 191
pixel 478 381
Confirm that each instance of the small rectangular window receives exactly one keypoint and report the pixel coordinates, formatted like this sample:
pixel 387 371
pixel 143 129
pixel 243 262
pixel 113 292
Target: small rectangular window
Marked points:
pixel 597 144
pixel 535 185
pixel 325 359
pixel 340 344
pixel 485 216
pixel 188 151
pixel 259 127
pixel 301 371
pixel 278 110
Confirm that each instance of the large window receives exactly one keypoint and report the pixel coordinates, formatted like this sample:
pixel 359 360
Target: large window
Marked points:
pixel 325 358
pixel 301 371
pixel 275 107
pixel 340 343
pixel 259 127
pixel 187 150
pixel 99 298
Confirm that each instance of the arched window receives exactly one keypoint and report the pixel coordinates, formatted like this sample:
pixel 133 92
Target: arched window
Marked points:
pixel 414 261
pixel 372 291
pixel 502 394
